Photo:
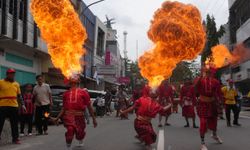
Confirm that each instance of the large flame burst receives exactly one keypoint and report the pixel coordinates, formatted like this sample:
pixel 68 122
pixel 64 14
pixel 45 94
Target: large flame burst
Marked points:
pixel 178 35
pixel 63 32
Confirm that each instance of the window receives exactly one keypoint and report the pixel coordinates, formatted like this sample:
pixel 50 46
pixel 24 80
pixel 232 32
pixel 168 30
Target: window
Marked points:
pixel 100 43
pixel 21 10
pixel 0 4
pixel 11 6
pixel 236 69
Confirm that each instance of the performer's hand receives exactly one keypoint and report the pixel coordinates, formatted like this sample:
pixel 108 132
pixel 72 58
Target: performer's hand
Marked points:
pixel 94 123
pixel 121 112
pixel 55 120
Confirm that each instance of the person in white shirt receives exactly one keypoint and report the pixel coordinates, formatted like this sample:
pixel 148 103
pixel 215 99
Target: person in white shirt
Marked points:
pixel 43 103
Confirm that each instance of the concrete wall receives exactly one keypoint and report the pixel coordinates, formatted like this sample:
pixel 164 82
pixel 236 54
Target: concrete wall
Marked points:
pixel 244 72
pixel 36 62
pixel 225 39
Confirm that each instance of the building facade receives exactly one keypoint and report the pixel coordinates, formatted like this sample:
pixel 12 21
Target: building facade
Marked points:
pixel 21 46
pixel 239 26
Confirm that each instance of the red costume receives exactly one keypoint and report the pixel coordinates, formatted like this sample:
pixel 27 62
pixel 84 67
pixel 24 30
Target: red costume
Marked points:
pixel 166 96
pixel 209 90
pixel 75 101
pixel 188 101
pixel 146 110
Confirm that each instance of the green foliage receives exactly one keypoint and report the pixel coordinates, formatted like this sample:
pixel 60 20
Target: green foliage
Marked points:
pixel 181 72
pixel 213 36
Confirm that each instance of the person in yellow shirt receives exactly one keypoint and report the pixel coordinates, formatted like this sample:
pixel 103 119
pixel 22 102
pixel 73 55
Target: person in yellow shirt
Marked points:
pixel 9 95
pixel 230 95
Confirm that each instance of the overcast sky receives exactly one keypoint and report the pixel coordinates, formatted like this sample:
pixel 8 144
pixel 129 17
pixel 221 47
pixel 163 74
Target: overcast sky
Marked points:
pixel 134 16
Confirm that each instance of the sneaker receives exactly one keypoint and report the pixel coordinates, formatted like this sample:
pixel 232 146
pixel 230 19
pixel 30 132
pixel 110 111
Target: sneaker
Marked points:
pixel 138 138
pixel 81 143
pixel 46 133
pixel 160 125
pixel 195 127
pixel 22 135
pixel 186 126
pixel 17 141
pixel 30 134
pixel 237 124
pixel 167 124
pixel 217 139
pixel 69 147
pixel 149 147
pixel 203 147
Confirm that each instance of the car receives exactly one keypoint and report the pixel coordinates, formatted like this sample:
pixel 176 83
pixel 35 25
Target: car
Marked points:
pixel 57 98
pixel 245 101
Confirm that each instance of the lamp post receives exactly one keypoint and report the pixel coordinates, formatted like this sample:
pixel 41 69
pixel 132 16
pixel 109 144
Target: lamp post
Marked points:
pixel 91 5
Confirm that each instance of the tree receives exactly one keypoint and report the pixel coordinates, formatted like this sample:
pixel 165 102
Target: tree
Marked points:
pixel 181 72
pixel 213 36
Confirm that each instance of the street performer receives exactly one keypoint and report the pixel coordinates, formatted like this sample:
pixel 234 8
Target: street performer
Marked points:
pixel 209 92
pixel 166 96
pixel 188 102
pixel 75 101
pixel 147 108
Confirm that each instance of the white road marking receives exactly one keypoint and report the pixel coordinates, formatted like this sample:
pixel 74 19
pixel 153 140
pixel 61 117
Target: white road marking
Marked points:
pixel 160 144
pixel 245 117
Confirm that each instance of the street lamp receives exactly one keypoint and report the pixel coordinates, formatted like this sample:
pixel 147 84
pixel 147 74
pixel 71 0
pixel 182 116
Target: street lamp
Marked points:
pixel 91 5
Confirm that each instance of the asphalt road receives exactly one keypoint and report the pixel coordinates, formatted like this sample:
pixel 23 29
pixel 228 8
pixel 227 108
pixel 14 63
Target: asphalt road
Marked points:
pixel 115 134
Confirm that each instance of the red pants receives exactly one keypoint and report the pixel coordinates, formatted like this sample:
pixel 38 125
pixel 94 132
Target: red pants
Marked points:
pixel 207 123
pixel 145 131
pixel 188 111
pixel 75 126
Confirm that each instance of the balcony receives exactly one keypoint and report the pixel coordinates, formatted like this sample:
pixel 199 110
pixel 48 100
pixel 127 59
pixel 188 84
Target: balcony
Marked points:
pixel 243 32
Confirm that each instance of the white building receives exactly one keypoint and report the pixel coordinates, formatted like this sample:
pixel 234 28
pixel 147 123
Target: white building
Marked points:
pixel 21 47
pixel 239 26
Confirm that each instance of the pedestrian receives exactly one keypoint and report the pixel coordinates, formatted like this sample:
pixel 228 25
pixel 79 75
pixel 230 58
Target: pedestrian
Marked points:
pixel 100 109
pixel 175 101
pixel 43 103
pixel 147 109
pixel 108 100
pixel 10 93
pixel 209 92
pixel 26 117
pixel 122 102
pixel 230 95
pixel 165 92
pixel 75 101
pixel 188 102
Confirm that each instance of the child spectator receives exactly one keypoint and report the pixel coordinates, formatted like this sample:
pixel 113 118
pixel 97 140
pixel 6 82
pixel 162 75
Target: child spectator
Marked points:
pixel 26 117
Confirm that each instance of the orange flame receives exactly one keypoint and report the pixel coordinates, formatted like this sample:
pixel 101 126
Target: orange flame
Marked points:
pixel 221 56
pixel 46 115
pixel 178 35
pixel 63 32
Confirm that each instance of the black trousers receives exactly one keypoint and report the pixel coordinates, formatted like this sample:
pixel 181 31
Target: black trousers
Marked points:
pixel 235 110
pixel 41 120
pixel 12 114
pixel 26 119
